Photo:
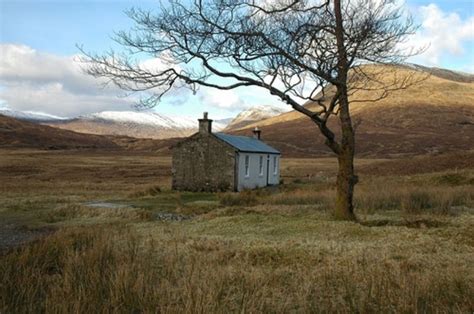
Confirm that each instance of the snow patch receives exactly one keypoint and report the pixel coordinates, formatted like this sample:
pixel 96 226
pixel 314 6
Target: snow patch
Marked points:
pixel 259 113
pixel 144 118
pixel 148 118
pixel 31 115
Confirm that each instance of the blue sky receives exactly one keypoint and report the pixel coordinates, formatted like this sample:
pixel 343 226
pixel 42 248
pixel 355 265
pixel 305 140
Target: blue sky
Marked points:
pixel 38 41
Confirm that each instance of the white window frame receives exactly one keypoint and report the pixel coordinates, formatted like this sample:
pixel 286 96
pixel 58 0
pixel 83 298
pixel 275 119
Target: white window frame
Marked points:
pixel 247 166
pixel 275 165
pixel 260 165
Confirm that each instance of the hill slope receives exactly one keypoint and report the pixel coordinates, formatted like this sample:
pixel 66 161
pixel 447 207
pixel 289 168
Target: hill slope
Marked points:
pixel 435 115
pixel 15 133
pixel 20 134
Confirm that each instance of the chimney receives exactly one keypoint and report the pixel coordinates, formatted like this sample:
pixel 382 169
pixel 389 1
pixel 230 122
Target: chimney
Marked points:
pixel 256 133
pixel 205 125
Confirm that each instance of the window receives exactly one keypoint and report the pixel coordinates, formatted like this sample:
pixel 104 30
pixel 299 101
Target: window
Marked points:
pixel 260 165
pixel 275 164
pixel 247 168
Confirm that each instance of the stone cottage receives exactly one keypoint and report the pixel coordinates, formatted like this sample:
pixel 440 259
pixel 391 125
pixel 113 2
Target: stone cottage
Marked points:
pixel 208 161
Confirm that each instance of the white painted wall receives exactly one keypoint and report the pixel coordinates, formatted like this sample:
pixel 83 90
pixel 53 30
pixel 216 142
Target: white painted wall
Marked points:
pixel 274 177
pixel 255 177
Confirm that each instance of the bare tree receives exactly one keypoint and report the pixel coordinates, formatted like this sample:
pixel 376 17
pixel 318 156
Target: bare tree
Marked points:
pixel 298 50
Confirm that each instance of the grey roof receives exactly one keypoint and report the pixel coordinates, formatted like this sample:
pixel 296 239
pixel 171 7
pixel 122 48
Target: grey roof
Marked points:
pixel 247 144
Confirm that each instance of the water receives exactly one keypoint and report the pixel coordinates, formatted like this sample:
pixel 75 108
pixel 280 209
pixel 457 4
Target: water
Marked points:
pixel 107 205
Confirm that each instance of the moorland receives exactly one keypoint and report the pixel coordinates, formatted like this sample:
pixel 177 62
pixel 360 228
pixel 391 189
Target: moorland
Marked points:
pixel 101 231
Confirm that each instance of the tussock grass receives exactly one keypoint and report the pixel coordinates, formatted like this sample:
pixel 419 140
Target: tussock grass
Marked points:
pixel 73 211
pixel 244 198
pixel 454 179
pixel 303 197
pixel 369 198
pixel 111 269
pixel 414 199
pixel 150 191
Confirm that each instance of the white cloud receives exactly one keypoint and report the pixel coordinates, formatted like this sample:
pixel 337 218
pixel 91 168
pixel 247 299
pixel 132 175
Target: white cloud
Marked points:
pixel 37 81
pixel 53 98
pixel 443 33
pixel 239 99
pixel 159 64
pixel 224 99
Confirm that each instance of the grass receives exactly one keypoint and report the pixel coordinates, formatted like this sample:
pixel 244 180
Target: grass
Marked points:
pixel 416 199
pixel 271 250
pixel 114 268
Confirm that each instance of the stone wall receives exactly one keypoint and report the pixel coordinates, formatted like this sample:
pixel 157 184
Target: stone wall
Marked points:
pixel 203 163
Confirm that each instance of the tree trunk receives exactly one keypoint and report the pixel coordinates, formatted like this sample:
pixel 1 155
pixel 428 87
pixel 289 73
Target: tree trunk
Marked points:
pixel 346 178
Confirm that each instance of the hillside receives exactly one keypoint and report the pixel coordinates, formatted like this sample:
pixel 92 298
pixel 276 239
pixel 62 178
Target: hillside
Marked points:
pixel 15 133
pixel 435 115
pixel 21 134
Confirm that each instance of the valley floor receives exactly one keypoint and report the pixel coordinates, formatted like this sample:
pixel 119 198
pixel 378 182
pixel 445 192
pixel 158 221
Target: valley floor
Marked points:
pixel 101 231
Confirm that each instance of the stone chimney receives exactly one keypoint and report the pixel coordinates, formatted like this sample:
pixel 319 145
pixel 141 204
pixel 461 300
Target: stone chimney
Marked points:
pixel 205 125
pixel 257 133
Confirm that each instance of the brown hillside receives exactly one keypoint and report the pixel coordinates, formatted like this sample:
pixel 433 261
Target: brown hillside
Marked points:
pixel 20 134
pixel 434 115
pixel 160 147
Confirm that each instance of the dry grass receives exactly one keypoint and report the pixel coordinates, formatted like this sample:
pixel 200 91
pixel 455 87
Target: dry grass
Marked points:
pixel 272 250
pixel 82 212
pixel 115 269
pixel 415 199
pixel 245 198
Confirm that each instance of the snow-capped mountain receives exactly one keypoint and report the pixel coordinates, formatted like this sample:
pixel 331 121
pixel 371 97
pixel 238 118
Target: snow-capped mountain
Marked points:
pixel 142 118
pixel 31 116
pixel 150 119
pixel 253 115
pixel 145 124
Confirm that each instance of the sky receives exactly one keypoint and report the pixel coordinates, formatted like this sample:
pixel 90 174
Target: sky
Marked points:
pixel 39 69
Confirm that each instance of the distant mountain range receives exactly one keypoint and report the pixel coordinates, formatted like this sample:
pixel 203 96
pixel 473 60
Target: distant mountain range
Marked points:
pixel 131 123
pixel 432 117
pixel 254 115
pixel 140 124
